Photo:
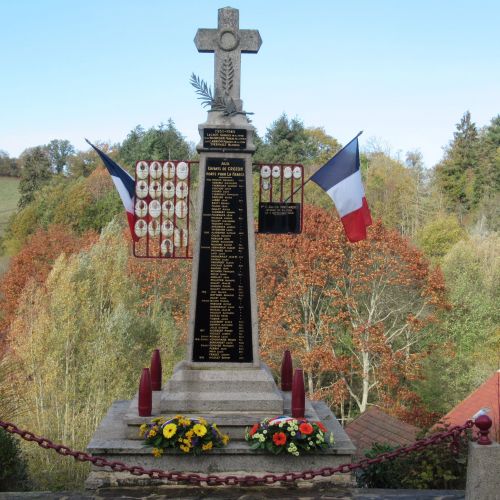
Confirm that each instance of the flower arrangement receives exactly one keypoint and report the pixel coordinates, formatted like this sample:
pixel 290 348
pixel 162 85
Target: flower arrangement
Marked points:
pixel 186 434
pixel 286 434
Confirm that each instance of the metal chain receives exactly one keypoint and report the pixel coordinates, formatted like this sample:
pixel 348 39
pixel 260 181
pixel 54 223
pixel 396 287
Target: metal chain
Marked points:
pixel 248 480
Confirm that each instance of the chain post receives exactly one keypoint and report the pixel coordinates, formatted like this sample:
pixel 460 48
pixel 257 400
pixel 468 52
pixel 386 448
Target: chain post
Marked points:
pixel 483 423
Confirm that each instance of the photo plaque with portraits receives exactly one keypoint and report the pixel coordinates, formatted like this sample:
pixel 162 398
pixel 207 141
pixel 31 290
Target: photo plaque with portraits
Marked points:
pixel 161 209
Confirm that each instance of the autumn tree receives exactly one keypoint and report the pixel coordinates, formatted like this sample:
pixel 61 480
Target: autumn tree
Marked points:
pixel 60 151
pixel 354 315
pixel 83 163
pixel 472 271
pixel 33 263
pixel 8 166
pixel 157 143
pixel 35 173
pixel 80 340
pixel 288 140
pixel 80 204
pixel 456 173
pixel 489 158
pixel 164 287
pixel 396 192
pixel 439 235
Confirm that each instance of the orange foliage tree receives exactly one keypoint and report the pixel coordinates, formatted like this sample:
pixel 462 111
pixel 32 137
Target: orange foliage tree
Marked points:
pixel 166 283
pixel 34 262
pixel 355 316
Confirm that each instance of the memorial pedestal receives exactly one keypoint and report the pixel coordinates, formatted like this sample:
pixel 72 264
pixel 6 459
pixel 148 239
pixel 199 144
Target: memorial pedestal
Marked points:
pixel 117 438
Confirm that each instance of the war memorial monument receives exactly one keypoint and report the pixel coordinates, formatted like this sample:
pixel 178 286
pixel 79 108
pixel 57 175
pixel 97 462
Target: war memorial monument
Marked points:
pixel 222 377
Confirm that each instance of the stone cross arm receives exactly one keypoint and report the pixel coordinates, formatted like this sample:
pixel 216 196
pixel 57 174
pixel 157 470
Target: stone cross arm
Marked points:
pixel 228 42
pixel 209 40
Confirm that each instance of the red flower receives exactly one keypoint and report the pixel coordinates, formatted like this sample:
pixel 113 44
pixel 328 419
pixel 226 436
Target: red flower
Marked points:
pixel 306 428
pixel 254 429
pixel 279 438
pixel 321 427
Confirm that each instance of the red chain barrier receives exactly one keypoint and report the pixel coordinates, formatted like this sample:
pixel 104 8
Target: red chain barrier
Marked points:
pixel 249 480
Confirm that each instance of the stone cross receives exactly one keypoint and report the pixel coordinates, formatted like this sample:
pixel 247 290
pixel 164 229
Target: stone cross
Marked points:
pixel 228 42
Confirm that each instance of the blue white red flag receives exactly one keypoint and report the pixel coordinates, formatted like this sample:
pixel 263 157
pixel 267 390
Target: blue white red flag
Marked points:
pixel 340 177
pixel 124 183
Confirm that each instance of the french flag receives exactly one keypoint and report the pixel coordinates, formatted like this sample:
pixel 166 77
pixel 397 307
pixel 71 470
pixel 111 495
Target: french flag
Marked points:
pixel 125 185
pixel 340 177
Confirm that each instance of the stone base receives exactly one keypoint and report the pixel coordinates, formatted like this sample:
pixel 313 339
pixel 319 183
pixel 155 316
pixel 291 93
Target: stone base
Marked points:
pixel 116 439
pixel 234 399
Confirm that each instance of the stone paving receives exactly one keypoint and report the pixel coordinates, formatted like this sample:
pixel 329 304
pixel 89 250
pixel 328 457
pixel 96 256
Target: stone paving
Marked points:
pixel 256 493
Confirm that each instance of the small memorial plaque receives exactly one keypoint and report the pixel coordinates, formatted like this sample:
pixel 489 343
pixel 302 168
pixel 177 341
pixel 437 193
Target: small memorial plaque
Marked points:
pixel 223 328
pixel 233 139
pixel 281 198
pixel 279 218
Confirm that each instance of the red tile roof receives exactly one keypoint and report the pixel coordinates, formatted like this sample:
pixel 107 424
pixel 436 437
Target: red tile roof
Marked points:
pixel 376 426
pixel 485 396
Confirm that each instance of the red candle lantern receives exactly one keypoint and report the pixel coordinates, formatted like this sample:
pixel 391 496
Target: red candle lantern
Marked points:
pixel 145 403
pixel 298 394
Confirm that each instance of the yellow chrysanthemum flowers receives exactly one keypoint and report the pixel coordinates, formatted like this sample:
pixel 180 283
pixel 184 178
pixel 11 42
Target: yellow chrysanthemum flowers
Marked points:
pixel 189 435
pixel 200 430
pixel 169 430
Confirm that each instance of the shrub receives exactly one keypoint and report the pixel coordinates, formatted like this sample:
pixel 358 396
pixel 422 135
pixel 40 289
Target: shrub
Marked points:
pixel 13 475
pixel 435 467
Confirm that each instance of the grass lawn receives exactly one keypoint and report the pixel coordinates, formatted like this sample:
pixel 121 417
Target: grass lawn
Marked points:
pixel 8 200
pixel 8 205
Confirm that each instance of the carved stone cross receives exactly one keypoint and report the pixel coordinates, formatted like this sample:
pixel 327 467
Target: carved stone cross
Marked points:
pixel 228 42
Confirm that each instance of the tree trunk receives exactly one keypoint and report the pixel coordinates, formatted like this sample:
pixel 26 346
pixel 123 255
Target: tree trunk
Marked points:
pixel 310 384
pixel 366 381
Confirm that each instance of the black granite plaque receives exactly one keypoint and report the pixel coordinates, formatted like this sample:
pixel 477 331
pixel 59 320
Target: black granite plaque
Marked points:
pixel 279 218
pixel 232 139
pixel 223 326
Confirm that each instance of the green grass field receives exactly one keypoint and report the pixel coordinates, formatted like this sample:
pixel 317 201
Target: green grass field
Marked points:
pixel 8 200
pixel 8 205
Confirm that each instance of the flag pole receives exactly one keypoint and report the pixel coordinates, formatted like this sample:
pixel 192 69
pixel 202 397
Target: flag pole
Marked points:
pixel 342 149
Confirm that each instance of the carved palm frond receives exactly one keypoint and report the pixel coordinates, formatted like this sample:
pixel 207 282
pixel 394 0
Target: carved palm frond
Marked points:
pixel 203 90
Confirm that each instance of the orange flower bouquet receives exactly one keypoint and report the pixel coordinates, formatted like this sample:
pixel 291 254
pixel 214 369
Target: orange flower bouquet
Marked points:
pixel 290 435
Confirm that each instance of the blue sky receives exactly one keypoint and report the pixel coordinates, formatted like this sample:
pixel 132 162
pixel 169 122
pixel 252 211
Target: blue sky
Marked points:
pixel 402 71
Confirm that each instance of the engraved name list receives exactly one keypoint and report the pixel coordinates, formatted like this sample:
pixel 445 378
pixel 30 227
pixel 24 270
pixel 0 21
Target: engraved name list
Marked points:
pixel 222 330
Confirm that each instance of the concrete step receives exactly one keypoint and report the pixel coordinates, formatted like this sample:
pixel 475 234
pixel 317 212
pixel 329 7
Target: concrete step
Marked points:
pixel 200 386
pixel 271 402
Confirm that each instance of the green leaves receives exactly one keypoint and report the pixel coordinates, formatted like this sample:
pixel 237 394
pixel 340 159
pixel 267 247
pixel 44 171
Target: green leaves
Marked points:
pixel 163 142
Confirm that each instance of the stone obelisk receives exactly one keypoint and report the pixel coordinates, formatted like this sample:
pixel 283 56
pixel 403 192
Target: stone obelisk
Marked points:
pixel 222 370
